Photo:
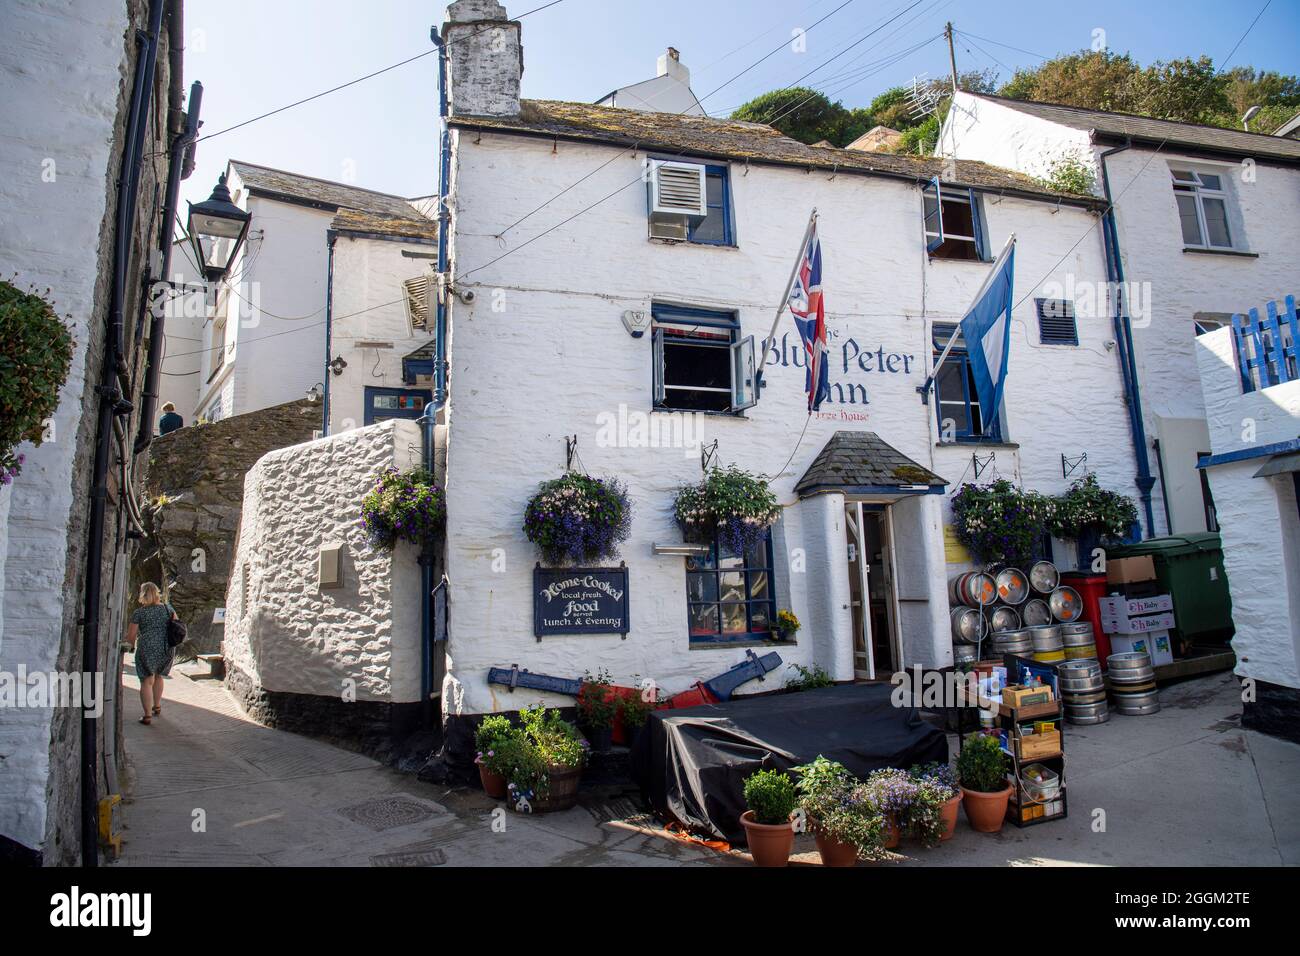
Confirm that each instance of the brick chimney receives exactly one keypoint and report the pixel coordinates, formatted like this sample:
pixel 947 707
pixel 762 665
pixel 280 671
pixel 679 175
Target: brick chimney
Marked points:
pixel 484 57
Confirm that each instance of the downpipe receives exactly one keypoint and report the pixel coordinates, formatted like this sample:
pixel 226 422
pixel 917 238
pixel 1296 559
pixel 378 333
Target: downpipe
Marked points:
pixel 1124 342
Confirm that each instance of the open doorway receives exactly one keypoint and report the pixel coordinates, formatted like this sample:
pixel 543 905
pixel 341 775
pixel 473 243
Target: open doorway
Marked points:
pixel 871 590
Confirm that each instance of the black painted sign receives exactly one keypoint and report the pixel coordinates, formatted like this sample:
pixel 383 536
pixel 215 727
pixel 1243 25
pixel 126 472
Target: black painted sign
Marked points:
pixel 579 601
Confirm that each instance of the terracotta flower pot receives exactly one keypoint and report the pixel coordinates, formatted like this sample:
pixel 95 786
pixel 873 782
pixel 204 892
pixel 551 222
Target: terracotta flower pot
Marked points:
pixel 834 853
pixel 986 811
pixel 770 845
pixel 494 785
pixel 892 836
pixel 949 817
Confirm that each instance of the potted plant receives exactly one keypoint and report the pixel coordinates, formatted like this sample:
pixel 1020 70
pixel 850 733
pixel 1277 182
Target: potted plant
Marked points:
pixel 403 506
pixel 578 519
pixel 940 780
pixel 489 737
pixel 786 625
pixel 770 796
pixel 635 711
pixel 544 763
pixel 596 709
pixel 730 505
pixel 982 772
pixel 892 793
pixel 1092 515
pixel 840 813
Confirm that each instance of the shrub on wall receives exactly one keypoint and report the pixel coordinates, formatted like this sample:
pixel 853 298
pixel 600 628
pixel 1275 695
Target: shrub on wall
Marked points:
pixel 1087 508
pixel 403 506
pixel 35 355
pixel 731 504
pixel 578 518
pixel 1000 523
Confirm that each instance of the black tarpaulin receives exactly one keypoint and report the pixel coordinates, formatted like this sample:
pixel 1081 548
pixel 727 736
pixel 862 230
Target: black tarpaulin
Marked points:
pixel 691 764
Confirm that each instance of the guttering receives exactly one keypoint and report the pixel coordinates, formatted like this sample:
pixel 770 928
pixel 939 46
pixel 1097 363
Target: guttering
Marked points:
pixel 111 403
pixel 179 166
pixel 330 238
pixel 1124 341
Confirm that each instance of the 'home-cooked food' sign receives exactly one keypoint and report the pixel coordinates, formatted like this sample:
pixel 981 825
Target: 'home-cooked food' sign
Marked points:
pixel 579 601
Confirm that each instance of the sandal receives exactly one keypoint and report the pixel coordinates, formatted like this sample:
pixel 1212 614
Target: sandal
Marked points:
pixel 157 711
pixel 146 719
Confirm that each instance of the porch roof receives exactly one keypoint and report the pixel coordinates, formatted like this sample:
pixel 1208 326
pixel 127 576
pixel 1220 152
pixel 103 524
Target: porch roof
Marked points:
pixel 859 462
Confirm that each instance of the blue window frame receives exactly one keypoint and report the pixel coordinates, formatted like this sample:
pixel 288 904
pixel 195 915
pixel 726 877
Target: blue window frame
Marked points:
pixel 386 403
pixel 957 404
pixel 715 228
pixel 730 597
pixel 700 362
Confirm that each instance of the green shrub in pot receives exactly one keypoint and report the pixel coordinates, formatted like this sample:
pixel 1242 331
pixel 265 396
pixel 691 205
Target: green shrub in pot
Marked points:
pixel 771 795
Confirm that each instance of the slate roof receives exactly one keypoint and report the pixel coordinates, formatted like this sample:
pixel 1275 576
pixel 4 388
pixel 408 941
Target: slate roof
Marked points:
pixel 277 183
pixel 707 137
pixel 862 460
pixel 1147 130
pixel 412 226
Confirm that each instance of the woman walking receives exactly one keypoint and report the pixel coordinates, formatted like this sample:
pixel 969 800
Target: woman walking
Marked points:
pixel 153 655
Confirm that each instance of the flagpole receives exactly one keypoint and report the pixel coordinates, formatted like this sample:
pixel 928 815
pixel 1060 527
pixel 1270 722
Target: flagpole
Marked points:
pixel 924 388
pixel 785 296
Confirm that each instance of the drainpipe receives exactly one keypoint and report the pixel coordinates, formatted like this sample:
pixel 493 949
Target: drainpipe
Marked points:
pixel 428 419
pixel 111 403
pixel 179 166
pixel 1124 342
pixel 330 237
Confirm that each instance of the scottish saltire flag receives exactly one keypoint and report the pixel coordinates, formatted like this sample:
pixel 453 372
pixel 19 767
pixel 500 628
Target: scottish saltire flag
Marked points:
pixel 986 330
pixel 810 316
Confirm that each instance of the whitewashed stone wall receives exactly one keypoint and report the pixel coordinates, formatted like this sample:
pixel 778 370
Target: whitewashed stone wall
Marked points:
pixel 557 357
pixel 292 636
pixel 1259 518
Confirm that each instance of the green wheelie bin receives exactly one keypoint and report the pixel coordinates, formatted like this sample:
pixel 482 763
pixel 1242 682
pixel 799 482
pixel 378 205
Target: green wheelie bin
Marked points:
pixel 1189 568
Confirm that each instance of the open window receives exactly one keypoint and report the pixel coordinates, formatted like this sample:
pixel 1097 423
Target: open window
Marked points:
pixel 700 362
pixel 1202 209
pixel 957 403
pixel 953 224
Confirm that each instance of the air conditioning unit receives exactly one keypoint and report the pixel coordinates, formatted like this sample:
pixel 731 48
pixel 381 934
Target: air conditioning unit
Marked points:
pixel 672 228
pixel 677 189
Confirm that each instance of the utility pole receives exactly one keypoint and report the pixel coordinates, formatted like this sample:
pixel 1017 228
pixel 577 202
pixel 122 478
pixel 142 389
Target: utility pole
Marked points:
pixel 952 57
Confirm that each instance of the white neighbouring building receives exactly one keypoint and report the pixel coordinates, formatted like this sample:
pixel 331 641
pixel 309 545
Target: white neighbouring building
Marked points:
pixel 262 331
pixel 538 349
pixel 1206 225
pixel 668 91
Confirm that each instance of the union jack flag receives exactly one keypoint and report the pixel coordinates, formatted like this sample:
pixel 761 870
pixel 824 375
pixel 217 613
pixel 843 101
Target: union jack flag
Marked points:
pixel 810 316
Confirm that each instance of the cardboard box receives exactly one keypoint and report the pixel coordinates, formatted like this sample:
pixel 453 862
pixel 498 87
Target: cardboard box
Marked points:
pixel 1137 625
pixel 1157 644
pixel 1128 570
pixel 1118 605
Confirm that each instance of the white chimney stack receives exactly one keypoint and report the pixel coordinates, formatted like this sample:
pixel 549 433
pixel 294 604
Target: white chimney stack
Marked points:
pixel 484 57
pixel 670 64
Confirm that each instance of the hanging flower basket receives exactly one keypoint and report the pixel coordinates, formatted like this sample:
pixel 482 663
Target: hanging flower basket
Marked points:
pixel 1000 523
pixel 403 506
pixel 35 355
pixel 732 505
pixel 1088 510
pixel 578 519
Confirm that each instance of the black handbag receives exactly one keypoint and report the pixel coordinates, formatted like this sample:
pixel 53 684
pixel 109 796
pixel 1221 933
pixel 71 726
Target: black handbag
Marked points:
pixel 175 630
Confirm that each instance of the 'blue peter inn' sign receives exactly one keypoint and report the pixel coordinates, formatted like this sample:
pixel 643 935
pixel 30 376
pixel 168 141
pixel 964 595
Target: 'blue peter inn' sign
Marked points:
pixel 580 601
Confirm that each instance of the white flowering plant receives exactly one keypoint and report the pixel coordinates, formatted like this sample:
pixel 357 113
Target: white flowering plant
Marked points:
pixel 732 505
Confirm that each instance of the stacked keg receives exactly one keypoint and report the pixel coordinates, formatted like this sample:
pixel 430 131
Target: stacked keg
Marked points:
pixel 1132 682
pixel 1048 645
pixel 1083 692
pixel 1079 642
pixel 970 594
pixel 1018 641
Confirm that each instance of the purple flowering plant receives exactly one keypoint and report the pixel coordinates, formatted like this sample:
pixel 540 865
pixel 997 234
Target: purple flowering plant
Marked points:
pixel 578 518
pixel 1000 523
pixel 403 506
pixel 731 504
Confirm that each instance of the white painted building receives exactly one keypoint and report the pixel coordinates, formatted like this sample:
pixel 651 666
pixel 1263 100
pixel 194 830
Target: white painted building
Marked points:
pixel 668 91
pixel 1254 471
pixel 539 350
pixel 263 337
pixel 1206 227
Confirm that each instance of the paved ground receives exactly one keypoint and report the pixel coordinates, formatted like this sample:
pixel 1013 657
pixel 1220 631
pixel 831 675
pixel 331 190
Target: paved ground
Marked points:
pixel 1183 787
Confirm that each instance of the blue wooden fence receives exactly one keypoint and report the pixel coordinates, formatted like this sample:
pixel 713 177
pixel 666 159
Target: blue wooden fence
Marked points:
pixel 1266 347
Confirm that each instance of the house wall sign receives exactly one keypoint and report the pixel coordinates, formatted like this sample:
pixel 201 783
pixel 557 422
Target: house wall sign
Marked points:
pixel 580 601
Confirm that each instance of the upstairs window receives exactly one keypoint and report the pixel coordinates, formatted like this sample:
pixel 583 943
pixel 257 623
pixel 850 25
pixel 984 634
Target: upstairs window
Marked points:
pixel 1202 209
pixel 1056 322
pixel 689 202
pixel 700 362
pixel 954 226
pixel 957 403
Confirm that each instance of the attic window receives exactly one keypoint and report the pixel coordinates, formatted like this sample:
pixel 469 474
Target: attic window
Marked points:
pixel 953 223
pixel 419 301
pixel 1056 322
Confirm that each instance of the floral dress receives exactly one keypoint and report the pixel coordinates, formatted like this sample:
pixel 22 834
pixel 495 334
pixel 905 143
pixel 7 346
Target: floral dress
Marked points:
pixel 153 656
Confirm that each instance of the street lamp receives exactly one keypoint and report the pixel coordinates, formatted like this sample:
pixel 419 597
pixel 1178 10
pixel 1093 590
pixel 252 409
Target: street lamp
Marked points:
pixel 217 228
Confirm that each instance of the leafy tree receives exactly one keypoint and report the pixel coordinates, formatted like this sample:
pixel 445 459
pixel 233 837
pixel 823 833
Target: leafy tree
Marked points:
pixel 800 113
pixel 1088 79
pixel 1186 91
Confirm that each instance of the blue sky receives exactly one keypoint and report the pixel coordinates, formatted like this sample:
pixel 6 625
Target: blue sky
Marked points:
pixel 253 56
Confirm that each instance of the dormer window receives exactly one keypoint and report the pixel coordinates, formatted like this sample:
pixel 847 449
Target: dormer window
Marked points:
pixel 1202 209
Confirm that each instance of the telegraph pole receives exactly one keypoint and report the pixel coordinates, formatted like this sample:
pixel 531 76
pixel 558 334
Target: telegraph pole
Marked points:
pixel 952 57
